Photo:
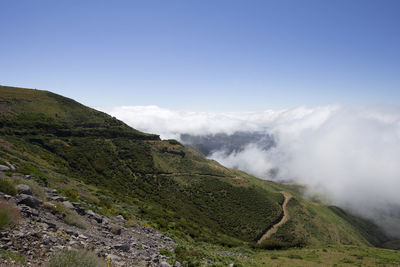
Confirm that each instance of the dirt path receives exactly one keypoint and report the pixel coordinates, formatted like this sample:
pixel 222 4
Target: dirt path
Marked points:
pixel 284 219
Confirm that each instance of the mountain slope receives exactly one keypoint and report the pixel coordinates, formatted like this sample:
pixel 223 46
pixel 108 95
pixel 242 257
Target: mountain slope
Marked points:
pixel 93 156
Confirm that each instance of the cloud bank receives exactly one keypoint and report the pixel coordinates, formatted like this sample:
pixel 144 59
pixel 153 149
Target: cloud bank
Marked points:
pixel 351 155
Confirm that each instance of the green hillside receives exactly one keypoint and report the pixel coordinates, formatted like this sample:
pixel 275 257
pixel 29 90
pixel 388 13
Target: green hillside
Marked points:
pixel 100 161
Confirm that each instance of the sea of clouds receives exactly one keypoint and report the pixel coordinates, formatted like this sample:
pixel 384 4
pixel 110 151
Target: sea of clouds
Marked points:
pixel 351 156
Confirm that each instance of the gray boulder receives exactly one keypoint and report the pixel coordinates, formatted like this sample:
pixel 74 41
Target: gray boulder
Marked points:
pixel 78 208
pixel 4 168
pixel 58 198
pixel 28 200
pixel 122 247
pixel 29 212
pixel 24 189
pixel 94 216
pixel 165 264
pixel 119 219
pixel 68 205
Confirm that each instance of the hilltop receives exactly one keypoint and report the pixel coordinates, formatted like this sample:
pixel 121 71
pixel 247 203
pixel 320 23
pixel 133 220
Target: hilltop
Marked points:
pixel 106 166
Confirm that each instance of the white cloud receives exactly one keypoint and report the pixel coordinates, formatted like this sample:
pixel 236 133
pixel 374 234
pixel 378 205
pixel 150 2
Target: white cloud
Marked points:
pixel 170 124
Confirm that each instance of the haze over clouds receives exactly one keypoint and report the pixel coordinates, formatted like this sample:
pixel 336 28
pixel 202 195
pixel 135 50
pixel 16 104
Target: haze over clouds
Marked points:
pixel 351 155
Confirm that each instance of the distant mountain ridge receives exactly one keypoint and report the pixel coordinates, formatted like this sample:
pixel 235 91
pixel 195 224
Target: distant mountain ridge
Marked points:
pixel 227 143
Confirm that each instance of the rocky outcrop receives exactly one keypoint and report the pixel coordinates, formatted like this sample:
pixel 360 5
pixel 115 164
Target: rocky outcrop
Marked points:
pixel 42 232
pixel 28 200
pixel 4 168
pixel 24 189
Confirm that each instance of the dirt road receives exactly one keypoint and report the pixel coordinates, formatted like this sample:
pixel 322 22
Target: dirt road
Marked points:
pixel 284 219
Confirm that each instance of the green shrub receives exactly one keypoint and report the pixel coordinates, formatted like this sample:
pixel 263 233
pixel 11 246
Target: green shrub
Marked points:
pixel 50 206
pixel 71 194
pixel 72 218
pixel 76 258
pixel 165 252
pixel 187 256
pixel 7 187
pixel 9 215
pixel 130 223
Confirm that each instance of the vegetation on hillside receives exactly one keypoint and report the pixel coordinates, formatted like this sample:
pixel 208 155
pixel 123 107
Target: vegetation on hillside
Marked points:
pixel 92 156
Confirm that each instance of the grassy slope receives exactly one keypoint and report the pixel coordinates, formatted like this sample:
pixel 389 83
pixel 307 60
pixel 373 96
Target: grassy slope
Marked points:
pixel 121 170
pixel 324 256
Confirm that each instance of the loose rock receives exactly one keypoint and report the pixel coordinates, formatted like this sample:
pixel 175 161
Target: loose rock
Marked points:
pixel 24 189
pixel 4 168
pixel 29 201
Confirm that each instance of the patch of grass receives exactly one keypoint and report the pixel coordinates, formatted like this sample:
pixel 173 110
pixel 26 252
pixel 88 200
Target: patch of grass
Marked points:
pixel 332 255
pixel 347 260
pixel 50 206
pixel 59 207
pixel 165 252
pixel 7 187
pixel 130 223
pixel 295 256
pixel 71 194
pixel 72 218
pixel 194 256
pixel 9 215
pixel 187 255
pixel 9 255
pixel 76 258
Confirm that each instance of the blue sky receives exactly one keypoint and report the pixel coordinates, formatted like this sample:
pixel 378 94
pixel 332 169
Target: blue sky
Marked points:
pixel 205 55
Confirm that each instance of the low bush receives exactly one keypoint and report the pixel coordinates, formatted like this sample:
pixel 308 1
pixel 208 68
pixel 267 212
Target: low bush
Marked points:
pixel 9 215
pixel 7 187
pixel 72 218
pixel 130 223
pixel 187 256
pixel 71 194
pixel 76 258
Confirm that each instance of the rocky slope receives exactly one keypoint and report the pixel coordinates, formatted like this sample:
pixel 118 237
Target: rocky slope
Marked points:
pixel 42 231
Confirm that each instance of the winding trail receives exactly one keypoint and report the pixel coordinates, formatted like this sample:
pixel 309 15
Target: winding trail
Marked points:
pixel 272 230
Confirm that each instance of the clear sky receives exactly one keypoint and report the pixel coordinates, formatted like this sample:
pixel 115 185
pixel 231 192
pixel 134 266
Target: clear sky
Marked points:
pixel 212 55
